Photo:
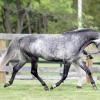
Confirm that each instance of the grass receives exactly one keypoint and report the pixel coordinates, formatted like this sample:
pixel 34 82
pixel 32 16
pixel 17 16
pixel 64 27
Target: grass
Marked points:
pixel 45 64
pixel 32 90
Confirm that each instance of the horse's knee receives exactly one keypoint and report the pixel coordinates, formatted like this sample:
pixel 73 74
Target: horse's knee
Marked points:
pixel 34 73
pixel 64 76
pixel 88 72
pixel 15 69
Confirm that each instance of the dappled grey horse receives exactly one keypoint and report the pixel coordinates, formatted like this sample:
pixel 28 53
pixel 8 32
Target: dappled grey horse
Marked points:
pixel 67 47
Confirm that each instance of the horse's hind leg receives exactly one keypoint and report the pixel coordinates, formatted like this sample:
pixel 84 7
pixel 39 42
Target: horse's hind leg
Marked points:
pixel 16 68
pixel 88 72
pixel 35 73
pixel 65 73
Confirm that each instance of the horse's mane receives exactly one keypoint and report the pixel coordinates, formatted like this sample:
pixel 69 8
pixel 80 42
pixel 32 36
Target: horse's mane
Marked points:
pixel 80 30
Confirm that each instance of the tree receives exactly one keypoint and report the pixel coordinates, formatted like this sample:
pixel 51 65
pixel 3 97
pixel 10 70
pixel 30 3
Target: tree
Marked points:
pixel 46 16
pixel 91 15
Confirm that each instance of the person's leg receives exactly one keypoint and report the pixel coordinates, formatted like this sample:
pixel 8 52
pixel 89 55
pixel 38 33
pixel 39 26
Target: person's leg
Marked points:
pixel 82 64
pixel 81 77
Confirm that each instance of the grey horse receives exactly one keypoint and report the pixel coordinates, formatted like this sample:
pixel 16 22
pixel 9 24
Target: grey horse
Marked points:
pixel 67 48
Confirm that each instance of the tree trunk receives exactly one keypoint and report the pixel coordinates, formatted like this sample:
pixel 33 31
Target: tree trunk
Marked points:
pixel 6 15
pixel 28 22
pixel 45 23
pixel 20 15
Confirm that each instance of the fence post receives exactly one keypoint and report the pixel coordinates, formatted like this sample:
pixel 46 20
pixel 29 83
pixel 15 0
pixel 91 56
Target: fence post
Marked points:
pixel 2 71
pixel 2 75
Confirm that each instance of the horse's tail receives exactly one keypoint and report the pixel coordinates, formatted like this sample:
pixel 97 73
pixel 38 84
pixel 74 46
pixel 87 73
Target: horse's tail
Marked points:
pixel 10 53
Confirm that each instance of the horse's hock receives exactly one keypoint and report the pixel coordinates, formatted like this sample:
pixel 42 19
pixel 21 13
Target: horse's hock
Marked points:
pixel 2 71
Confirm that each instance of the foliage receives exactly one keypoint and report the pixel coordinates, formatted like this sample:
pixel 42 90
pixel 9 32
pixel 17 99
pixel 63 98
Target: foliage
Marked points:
pixel 46 16
pixel 92 15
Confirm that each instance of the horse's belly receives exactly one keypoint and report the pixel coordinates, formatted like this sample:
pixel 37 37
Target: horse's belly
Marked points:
pixel 54 55
pixel 48 55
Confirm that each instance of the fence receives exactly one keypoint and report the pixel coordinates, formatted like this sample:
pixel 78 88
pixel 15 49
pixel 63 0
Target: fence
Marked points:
pixel 49 72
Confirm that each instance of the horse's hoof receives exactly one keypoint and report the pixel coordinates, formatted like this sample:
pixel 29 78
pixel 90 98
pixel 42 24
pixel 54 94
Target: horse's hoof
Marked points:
pixel 79 87
pixel 95 87
pixel 51 88
pixel 46 88
pixel 6 85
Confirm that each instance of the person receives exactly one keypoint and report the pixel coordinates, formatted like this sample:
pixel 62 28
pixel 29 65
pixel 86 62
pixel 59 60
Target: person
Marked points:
pixel 82 75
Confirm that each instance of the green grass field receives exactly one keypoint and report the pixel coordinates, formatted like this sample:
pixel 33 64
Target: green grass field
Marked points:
pixel 32 90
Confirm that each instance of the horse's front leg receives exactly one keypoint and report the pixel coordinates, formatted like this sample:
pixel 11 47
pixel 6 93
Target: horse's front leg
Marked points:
pixel 65 73
pixel 35 73
pixel 82 64
pixel 16 68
